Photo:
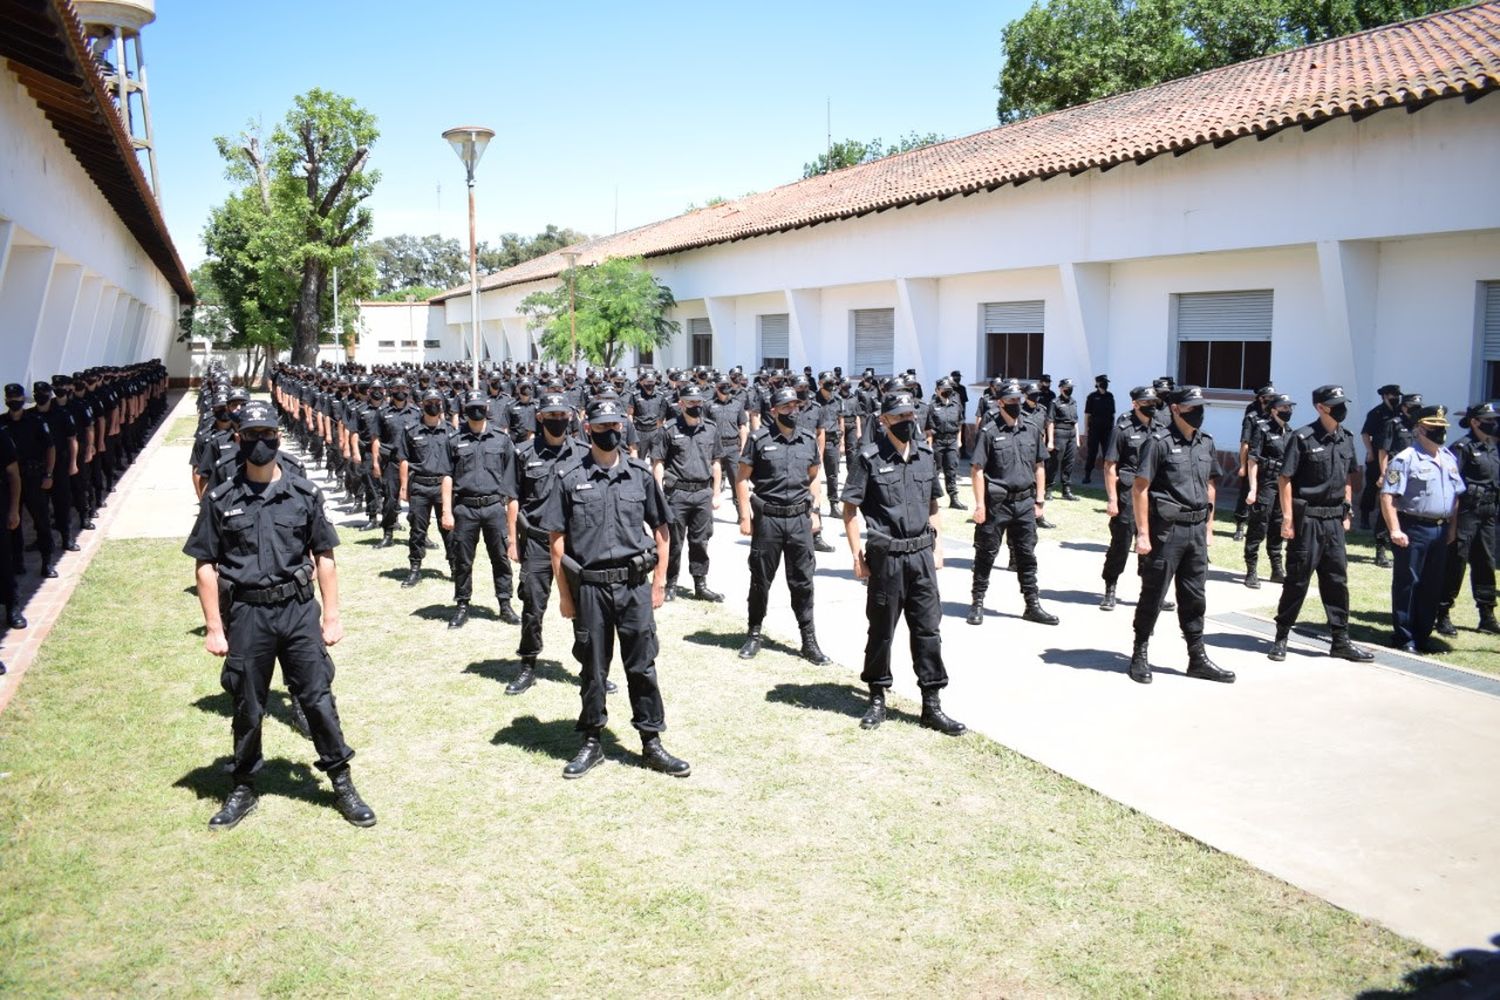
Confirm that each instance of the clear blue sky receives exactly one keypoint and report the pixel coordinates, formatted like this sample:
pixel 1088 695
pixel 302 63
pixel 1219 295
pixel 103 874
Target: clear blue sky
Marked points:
pixel 672 102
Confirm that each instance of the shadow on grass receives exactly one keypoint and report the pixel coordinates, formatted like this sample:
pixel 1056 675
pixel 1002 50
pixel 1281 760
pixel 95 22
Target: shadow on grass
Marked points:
pixel 443 612
pixel 557 738
pixel 734 640
pixel 504 671
pixel 276 777
pixel 1469 974
pixel 829 696
pixel 278 707
pixel 400 574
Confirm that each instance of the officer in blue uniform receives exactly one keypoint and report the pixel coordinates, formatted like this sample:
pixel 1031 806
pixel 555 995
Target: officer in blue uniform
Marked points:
pixel 1419 502
pixel 1479 464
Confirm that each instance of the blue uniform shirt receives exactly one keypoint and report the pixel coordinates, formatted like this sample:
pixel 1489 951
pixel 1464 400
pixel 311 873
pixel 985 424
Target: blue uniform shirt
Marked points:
pixel 1422 484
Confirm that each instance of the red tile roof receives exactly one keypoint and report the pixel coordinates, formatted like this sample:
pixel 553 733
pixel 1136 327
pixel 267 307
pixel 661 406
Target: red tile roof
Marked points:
pixel 1455 53
pixel 42 42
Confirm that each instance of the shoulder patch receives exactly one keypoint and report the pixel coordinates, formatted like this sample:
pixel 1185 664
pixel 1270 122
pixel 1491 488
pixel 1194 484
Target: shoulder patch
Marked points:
pixel 1392 475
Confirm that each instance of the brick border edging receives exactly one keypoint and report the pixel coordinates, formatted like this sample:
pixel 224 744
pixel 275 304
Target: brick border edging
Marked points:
pixel 47 604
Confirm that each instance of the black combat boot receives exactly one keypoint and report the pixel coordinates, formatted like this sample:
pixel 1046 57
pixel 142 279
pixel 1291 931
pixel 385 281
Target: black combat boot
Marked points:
pixel 461 617
pixel 1041 522
pixel 413 578
pixel 386 540
pixel 669 591
pixel 1047 495
pixel 1444 624
pixel 875 714
pixel 1278 646
pixel 240 803
pixel 1277 573
pixel 1140 666
pixel 820 545
pixel 1201 667
pixel 702 593
pixel 1067 493
pixel 590 754
pixel 810 650
pixel 347 800
pixel 1487 621
pixel 1036 613
pixel 955 503
pixel 370 525
pixel 1252 574
pixel 1108 604
pixel 1346 650
pixel 508 614
pixel 1382 556
pixel 657 758
pixel 14 618
pixel 933 716
pixel 524 678
pixel 1239 529
pixel 976 612
pixel 752 644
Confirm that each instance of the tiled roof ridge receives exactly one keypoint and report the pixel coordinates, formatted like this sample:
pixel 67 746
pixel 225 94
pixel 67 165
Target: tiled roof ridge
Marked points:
pixel 1445 54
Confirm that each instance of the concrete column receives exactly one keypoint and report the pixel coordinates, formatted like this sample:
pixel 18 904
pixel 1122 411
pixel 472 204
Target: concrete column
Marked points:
pixel 75 347
pixel 1084 332
pixel 113 348
pixel 1350 274
pixel 723 316
pixel 917 334
pixel 57 319
pixel 514 340
pixel 806 344
pixel 7 235
pixel 23 294
pixel 104 318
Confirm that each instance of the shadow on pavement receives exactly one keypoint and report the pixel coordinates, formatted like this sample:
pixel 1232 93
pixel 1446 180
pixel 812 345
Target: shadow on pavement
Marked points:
pixel 829 696
pixel 276 777
pixel 1105 660
pixel 1069 543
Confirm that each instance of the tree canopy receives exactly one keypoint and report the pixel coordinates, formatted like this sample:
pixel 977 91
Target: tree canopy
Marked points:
pixel 407 264
pixel 851 152
pixel 1062 53
pixel 619 304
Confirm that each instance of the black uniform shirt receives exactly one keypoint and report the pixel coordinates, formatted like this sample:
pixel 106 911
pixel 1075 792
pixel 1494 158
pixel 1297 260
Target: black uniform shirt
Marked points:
pixel 810 418
pixel 1247 423
pixel 7 459
pixel 520 419
pixel 895 494
pixel 230 465
pixel 31 437
pixel 370 424
pixel 1375 422
pixel 607 514
pixel 1479 464
pixel 1178 469
pixel 483 464
pixel 944 418
pixel 393 424
pixel 728 415
pixel 648 411
pixel 260 536
pixel 779 465
pixel 1125 446
pixel 688 452
pixel 830 412
pixel 536 460
pixel 1319 464
pixel 425 449
pixel 1268 449
pixel 1064 411
pixel 1007 454
pixel 1100 408
pixel 83 420
pixel 1396 436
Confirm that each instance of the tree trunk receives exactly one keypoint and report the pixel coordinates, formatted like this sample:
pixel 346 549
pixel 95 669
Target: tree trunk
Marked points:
pixel 308 315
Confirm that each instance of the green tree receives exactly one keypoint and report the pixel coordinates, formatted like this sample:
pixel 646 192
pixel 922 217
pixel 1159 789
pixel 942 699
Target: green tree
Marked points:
pixel 405 262
pixel 851 152
pixel 619 305
pixel 1062 53
pixel 515 248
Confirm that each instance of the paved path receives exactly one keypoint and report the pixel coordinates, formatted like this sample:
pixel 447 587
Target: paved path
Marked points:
pixel 1372 788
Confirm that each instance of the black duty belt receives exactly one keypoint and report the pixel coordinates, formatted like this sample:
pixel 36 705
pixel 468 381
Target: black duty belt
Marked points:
pixel 1174 514
pixel 265 595
pixel 488 500
pixel 1065 423
pixel 647 425
pixel 614 574
pixel 1324 513
pixel 1422 518
pixel 795 510
pixel 692 485
pixel 1006 493
pixel 532 531
pixel 904 546
pixel 949 436
pixel 424 480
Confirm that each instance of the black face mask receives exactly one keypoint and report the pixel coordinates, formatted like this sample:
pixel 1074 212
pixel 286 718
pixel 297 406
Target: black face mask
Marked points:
pixel 1012 410
pixel 1193 418
pixel 606 440
pixel 432 409
pixel 398 397
pixel 555 427
pixel 1068 392
pixel 904 430
pixel 1437 435
pixel 42 398
pixel 1148 412
pixel 1339 411
pixel 693 411
pixel 1490 427
pixel 15 404
pixel 261 451
pixel 1284 416
pixel 787 420
pixel 475 413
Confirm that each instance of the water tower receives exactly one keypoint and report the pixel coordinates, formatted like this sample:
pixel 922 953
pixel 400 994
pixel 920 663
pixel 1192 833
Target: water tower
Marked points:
pixel 114 28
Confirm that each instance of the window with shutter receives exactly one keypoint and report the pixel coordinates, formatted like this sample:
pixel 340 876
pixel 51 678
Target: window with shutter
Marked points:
pixel 875 340
pixel 701 337
pixel 1490 343
pixel 1224 339
pixel 775 340
pixel 1013 338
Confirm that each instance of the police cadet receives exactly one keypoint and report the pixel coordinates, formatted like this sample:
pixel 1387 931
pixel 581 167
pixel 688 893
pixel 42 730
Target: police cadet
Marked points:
pixel 550 449
pixel 686 465
pixel 1099 419
pixel 1122 460
pixel 10 503
pixel 1395 437
pixel 782 462
pixel 1267 448
pixel 254 536
pixel 37 454
pixel 1008 475
pixel 477 499
pixel 65 442
pixel 606 520
pixel 1369 434
pixel 1173 497
pixel 424 464
pixel 830 409
pixel 395 418
pixel 1316 483
pixel 648 411
pixel 1255 411
pixel 1062 439
pixel 726 410
pixel 944 425
pixel 1474 542
pixel 895 485
pixel 1419 501
pixel 81 487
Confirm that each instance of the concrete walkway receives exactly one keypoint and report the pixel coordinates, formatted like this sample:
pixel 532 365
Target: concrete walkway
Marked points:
pixel 1370 787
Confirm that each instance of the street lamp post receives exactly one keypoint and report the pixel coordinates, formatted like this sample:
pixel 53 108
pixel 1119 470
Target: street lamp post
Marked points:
pixel 572 258
pixel 469 141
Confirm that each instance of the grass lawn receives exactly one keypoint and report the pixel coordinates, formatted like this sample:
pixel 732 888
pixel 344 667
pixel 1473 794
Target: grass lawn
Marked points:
pixel 1369 586
pixel 803 857
pixel 182 431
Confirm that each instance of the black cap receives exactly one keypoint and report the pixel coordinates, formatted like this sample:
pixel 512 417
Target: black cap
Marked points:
pixel 62 380
pixel 476 397
pixel 239 394
pixel 1045 378
pixel 1101 378
pixel 1010 389
pixel 1412 399
pixel 42 387
pixel 1033 388
pixel 1144 394
pixel 606 411
pixel 1187 395
pixel 257 413
pixel 431 396
pixel 1281 399
pixel 786 394
pixel 1065 383
pixel 690 394
pixel 899 403
pixel 1389 389
pixel 1266 390
pixel 553 402
pixel 1329 394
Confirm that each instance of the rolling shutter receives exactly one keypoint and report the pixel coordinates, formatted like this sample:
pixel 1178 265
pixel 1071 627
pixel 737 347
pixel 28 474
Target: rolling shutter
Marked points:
pixel 1013 317
pixel 1492 321
pixel 775 336
pixel 875 340
pixel 1224 316
pixel 699 326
